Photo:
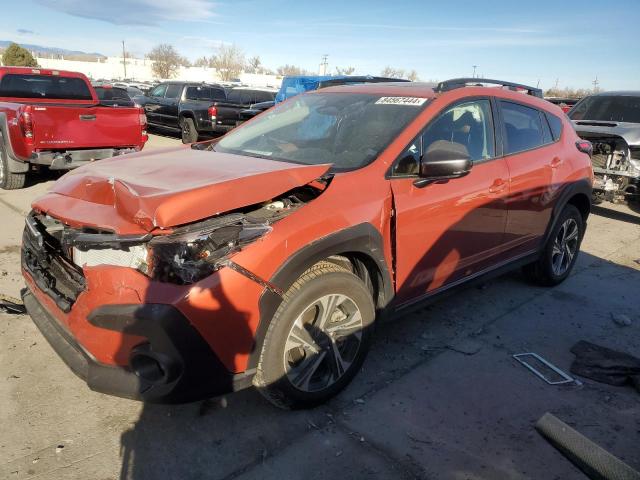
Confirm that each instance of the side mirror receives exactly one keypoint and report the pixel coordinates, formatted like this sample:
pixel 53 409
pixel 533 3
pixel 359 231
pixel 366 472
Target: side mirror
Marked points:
pixel 443 160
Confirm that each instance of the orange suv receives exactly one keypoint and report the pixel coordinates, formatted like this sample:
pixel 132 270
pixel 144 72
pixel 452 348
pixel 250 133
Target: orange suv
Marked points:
pixel 264 257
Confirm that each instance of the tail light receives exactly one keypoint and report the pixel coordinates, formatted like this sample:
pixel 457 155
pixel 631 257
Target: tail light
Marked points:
pixel 142 119
pixel 26 123
pixel 213 112
pixel 584 146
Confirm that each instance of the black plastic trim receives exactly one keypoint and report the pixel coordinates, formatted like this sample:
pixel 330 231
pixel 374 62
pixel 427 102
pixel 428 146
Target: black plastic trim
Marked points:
pixel 363 239
pixel 580 187
pixel 199 372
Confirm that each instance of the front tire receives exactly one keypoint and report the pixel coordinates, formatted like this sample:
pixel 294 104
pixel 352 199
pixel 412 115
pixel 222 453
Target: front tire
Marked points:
pixel 8 179
pixel 560 253
pixel 318 338
pixel 189 132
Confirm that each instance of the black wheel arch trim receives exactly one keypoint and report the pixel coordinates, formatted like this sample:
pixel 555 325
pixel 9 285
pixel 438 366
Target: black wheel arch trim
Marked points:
pixel 363 239
pixel 580 187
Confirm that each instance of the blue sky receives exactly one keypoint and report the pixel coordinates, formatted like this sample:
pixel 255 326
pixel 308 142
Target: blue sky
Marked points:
pixel 571 41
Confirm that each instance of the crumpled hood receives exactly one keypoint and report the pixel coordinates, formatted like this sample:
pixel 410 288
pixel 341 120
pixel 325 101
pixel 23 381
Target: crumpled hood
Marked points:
pixel 630 132
pixel 162 189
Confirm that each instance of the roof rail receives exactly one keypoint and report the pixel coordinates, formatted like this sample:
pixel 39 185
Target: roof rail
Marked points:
pixel 463 82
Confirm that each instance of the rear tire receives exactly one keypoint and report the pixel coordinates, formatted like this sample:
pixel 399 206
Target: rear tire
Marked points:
pixel 189 132
pixel 318 338
pixel 560 253
pixel 8 179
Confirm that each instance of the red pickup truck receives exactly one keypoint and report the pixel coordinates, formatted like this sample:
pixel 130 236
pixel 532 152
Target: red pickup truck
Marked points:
pixel 54 118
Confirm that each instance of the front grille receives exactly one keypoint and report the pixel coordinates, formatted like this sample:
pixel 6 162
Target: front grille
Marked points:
pixel 44 258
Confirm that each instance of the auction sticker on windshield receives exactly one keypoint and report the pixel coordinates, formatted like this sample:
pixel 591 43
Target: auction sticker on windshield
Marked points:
pixel 413 101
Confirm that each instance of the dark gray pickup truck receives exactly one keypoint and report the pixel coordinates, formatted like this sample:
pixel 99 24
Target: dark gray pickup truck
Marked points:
pixel 197 109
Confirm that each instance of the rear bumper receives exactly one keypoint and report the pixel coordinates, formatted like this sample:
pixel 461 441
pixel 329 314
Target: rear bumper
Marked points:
pixel 75 158
pixel 173 365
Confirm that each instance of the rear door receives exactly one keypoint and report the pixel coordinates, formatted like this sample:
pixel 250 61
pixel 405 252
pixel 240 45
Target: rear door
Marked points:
pixel 536 166
pixel 448 231
pixel 72 127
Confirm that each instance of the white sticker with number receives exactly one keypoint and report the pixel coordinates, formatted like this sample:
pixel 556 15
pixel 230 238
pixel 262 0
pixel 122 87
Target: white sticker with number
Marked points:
pixel 411 101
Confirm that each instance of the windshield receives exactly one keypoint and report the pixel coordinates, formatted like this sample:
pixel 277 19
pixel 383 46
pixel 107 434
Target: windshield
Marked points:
pixel 343 129
pixel 608 108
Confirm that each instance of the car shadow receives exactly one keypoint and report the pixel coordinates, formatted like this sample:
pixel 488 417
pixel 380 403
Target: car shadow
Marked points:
pixel 603 211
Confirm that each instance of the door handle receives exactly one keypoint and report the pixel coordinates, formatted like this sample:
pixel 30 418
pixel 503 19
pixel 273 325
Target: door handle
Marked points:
pixel 556 162
pixel 87 117
pixel 498 186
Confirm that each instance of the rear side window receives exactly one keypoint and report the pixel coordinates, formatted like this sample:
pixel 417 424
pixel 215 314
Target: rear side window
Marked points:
pixel 556 126
pixel 244 97
pixel 173 91
pixel 522 128
pixel 546 130
pixel 204 93
pixel 44 86
pixel 261 96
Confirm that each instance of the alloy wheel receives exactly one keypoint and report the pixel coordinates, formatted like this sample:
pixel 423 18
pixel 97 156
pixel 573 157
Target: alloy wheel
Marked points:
pixel 565 247
pixel 323 343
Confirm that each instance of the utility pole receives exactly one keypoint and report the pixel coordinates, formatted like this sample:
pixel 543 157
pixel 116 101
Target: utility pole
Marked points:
pixel 595 84
pixel 324 64
pixel 474 70
pixel 124 60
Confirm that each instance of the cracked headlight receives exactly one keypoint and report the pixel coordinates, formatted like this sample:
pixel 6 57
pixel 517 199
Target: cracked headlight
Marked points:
pixel 185 256
pixel 191 254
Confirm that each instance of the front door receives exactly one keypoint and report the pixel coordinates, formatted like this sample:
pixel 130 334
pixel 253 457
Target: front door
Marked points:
pixel 451 230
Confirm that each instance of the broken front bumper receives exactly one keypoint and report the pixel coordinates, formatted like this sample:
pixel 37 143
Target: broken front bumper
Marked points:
pixel 173 365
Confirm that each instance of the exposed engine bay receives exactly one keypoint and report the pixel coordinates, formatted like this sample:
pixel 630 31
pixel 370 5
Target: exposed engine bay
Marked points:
pixel 616 166
pixel 182 256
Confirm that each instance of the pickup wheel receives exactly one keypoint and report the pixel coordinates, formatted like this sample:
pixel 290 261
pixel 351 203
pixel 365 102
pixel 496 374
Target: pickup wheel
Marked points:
pixel 8 179
pixel 318 338
pixel 560 253
pixel 189 132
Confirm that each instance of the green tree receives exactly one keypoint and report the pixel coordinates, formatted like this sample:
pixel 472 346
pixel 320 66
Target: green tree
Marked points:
pixel 16 56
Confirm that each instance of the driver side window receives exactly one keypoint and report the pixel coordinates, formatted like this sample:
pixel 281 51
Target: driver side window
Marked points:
pixel 468 124
pixel 159 91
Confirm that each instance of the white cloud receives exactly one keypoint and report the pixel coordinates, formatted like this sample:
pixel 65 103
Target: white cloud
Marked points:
pixel 136 12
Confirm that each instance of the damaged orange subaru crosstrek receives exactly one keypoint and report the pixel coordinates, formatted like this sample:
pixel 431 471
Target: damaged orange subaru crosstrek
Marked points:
pixel 264 257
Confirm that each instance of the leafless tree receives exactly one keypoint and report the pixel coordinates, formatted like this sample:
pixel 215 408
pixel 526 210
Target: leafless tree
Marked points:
pixel 568 92
pixel 202 62
pixel 166 60
pixel 254 65
pixel 345 70
pixel 229 62
pixel 413 76
pixel 391 72
pixel 285 70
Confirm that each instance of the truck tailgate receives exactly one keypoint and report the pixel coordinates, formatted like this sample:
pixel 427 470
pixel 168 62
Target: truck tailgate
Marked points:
pixel 78 127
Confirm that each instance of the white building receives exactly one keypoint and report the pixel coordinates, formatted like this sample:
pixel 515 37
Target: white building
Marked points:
pixel 113 68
